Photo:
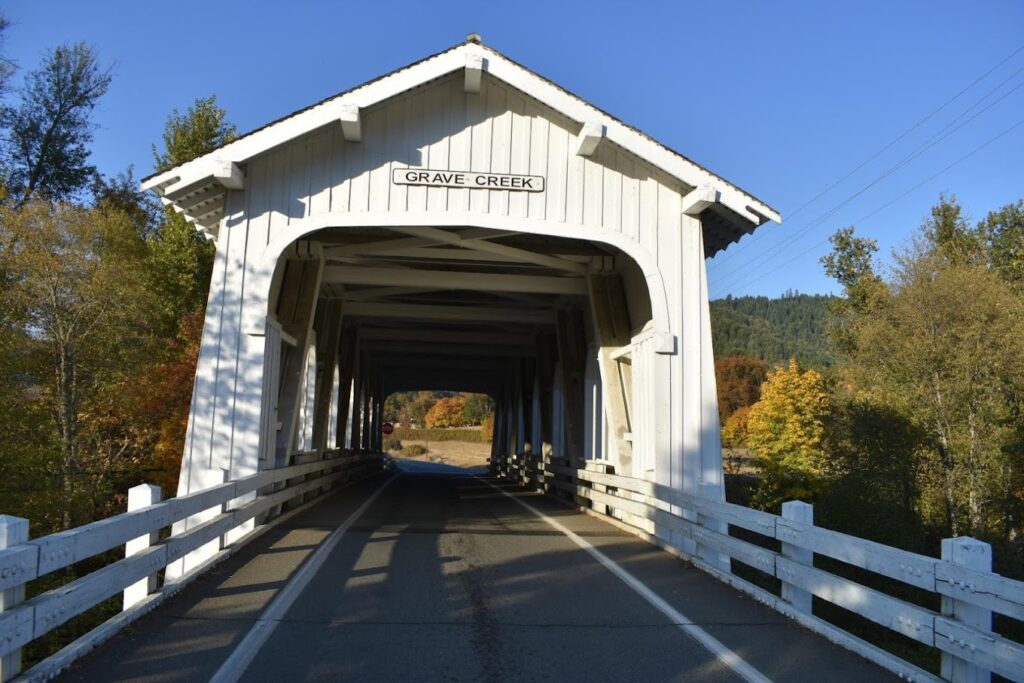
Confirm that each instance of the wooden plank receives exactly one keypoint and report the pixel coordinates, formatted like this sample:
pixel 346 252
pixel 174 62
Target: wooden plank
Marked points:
pixel 328 334
pixel 989 651
pixel 984 589
pixel 611 327
pixel 202 500
pixel 199 535
pixel 18 564
pixel 16 629
pixel 916 570
pixel 909 620
pixel 571 349
pixel 68 547
pixel 13 533
pixel 487 282
pixel 737 515
pixel 434 312
pixel 538 164
pixel 62 604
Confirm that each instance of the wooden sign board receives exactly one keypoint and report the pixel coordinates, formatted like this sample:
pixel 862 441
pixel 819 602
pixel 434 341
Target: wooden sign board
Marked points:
pixel 479 181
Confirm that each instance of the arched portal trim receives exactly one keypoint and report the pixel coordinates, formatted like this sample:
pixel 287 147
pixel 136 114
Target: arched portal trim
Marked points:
pixel 263 269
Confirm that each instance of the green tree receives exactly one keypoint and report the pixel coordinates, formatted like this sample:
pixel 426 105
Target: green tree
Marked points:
pixel 49 131
pixel 419 408
pixel 941 351
pixel 200 130
pixel 75 288
pixel 476 408
pixel 7 66
pixel 786 431
pixel 181 260
pixel 1003 233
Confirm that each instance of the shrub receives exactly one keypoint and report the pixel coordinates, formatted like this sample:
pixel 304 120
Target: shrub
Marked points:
pixel 487 429
pixel 413 450
pixel 467 435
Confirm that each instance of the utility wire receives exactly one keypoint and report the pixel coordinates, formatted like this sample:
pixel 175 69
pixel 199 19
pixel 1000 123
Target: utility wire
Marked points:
pixel 887 204
pixel 742 247
pixel 742 270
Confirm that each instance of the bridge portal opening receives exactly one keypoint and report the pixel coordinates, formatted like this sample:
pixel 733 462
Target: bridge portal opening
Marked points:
pixel 551 328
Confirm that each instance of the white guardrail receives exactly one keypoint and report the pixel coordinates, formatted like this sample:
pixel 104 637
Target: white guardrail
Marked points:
pixel 235 502
pixel 970 592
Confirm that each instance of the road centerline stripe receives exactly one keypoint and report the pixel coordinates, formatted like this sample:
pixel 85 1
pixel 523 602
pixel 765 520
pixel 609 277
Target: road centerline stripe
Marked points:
pixel 722 653
pixel 240 659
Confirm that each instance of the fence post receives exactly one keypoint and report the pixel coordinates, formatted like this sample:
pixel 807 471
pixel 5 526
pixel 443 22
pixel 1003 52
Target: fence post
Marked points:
pixel 797 511
pixel 13 531
pixel 973 554
pixel 139 497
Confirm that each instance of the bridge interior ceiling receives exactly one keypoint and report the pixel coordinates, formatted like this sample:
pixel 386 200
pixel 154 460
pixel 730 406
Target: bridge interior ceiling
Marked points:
pixel 504 313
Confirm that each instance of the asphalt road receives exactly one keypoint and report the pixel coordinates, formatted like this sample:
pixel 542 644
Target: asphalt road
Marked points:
pixel 444 578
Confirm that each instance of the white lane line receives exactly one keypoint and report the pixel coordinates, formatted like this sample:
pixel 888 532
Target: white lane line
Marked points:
pixel 235 665
pixel 685 624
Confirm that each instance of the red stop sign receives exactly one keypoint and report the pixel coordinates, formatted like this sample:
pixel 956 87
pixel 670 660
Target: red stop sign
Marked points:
pixel 387 428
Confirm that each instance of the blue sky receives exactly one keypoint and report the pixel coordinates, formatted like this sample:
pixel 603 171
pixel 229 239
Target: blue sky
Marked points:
pixel 781 98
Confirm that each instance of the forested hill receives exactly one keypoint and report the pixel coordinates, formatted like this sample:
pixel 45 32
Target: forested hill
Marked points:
pixel 773 330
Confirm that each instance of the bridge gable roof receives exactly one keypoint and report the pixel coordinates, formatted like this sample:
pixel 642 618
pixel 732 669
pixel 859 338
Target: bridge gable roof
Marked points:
pixel 197 188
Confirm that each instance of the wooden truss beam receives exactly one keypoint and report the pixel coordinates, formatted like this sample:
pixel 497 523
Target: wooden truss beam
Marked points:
pixel 439 279
pixel 460 313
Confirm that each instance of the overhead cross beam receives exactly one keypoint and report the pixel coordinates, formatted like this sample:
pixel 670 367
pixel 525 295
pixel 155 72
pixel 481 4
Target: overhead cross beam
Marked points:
pixel 515 253
pixel 441 279
pixel 460 313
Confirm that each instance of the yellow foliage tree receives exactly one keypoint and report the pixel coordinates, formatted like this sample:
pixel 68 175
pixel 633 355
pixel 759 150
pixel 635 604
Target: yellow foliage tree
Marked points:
pixel 786 430
pixel 446 413
pixel 487 429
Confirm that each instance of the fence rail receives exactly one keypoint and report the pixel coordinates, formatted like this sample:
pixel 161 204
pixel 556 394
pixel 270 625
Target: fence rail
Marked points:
pixel 22 560
pixel 970 592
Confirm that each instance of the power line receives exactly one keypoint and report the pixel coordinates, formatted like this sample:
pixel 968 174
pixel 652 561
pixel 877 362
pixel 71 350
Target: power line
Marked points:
pixel 928 144
pixel 742 247
pixel 887 204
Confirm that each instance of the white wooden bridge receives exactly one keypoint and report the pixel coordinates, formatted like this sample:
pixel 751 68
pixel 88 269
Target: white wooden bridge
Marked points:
pixel 465 224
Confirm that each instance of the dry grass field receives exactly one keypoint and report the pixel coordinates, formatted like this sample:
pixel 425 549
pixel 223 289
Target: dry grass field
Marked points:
pixel 454 453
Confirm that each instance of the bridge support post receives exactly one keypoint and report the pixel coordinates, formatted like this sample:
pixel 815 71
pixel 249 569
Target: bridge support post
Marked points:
pixel 973 554
pixel 797 511
pixel 139 497
pixel 13 531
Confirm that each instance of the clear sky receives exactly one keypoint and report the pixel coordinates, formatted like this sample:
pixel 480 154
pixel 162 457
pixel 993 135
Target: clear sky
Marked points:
pixel 781 98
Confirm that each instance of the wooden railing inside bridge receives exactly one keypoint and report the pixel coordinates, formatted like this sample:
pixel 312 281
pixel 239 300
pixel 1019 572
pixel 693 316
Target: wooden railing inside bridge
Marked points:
pixel 137 576
pixel 730 540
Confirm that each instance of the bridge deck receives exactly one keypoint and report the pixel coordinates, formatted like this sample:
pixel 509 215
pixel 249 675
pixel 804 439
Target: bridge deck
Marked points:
pixel 444 578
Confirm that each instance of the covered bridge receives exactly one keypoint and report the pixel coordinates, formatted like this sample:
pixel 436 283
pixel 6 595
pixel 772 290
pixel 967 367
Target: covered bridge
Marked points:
pixel 461 223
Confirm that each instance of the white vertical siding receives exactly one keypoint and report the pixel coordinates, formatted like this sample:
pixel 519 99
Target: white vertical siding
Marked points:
pixel 499 130
pixel 643 413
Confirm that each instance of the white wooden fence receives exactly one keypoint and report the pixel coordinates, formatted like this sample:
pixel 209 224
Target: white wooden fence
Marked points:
pixel 970 592
pixel 22 560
